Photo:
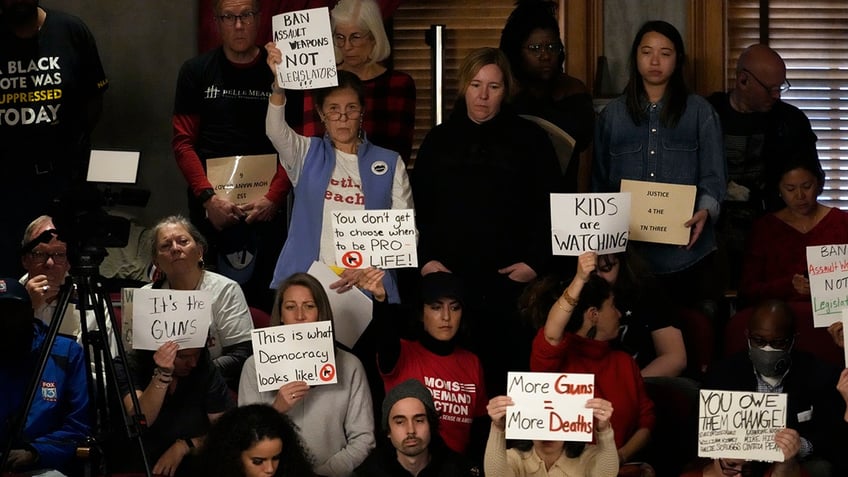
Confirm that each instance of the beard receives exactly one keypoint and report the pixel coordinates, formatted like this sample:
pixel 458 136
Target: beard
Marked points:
pixel 20 12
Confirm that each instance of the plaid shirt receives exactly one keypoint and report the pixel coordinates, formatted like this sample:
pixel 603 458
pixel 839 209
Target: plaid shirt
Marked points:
pixel 389 114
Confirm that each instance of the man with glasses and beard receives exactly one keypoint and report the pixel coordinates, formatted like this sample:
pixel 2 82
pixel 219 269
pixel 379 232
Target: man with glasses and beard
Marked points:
pixel 758 129
pixel 773 365
pixel 58 420
pixel 414 448
pixel 51 89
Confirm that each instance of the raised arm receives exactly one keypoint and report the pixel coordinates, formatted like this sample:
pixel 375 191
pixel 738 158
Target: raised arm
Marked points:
pixel 561 311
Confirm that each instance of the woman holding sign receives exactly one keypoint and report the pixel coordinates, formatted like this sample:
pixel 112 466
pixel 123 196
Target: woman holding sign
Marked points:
pixel 340 171
pixel 576 339
pixel 558 458
pixel 336 421
pixel 776 261
pixel 659 132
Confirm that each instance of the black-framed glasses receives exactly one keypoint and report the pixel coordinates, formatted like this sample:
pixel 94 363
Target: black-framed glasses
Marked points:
pixel 349 114
pixel 246 18
pixel 743 469
pixel 551 48
pixel 59 258
pixel 782 88
pixel 355 39
pixel 782 343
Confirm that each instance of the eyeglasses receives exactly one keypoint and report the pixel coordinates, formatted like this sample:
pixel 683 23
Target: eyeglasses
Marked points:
pixel 551 48
pixel 783 87
pixel 246 18
pixel 349 114
pixel 59 258
pixel 743 469
pixel 355 39
pixel 783 343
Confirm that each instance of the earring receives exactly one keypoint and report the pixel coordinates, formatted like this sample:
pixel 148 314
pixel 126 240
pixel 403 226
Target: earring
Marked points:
pixel 201 263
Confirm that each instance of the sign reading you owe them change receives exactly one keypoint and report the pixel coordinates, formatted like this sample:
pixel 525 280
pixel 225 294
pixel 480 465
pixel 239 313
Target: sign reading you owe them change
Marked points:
pixel 589 222
pixel 306 41
pixel 740 425
pixel 159 316
pixel 550 406
pixel 302 352
pixel 382 238
pixel 827 267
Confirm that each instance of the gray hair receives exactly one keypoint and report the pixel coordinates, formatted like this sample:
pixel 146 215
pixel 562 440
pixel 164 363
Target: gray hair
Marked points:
pixel 366 15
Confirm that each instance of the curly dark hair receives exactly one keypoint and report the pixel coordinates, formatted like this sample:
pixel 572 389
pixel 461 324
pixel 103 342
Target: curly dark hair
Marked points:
pixel 239 429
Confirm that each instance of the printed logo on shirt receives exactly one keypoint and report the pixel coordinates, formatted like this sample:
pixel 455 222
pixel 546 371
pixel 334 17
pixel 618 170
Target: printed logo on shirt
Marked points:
pixel 453 400
pixel 48 391
pixel 214 92
pixel 379 168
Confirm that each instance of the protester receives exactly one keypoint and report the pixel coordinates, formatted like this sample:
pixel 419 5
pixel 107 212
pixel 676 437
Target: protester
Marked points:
pixel 552 458
pixel 576 339
pixel 219 111
pixel 482 184
pixel 362 48
pixel 414 448
pixel 341 171
pixel 180 393
pixel 787 440
pixel 53 89
pixel 58 420
pixel 758 130
pixel 434 357
pixel 335 420
pixel 658 131
pixel 177 251
pixel 773 364
pixel 254 441
pixel 775 265
pixel 532 42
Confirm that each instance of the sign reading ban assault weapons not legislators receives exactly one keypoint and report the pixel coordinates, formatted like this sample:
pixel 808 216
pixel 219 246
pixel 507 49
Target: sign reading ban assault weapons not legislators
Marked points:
pixel 827 268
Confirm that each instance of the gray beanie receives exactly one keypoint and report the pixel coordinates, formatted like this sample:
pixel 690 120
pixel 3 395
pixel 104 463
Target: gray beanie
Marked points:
pixel 411 388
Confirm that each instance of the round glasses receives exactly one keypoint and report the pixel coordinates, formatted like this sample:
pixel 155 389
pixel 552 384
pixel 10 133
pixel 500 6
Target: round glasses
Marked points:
pixel 550 48
pixel 355 39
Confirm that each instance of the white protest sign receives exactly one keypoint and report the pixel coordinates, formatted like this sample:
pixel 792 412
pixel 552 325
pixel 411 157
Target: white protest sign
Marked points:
pixel 306 41
pixel 302 352
pixel 383 238
pixel 126 316
pixel 845 335
pixel 589 222
pixel 827 266
pixel 740 425
pixel 550 406
pixel 352 310
pixel 159 316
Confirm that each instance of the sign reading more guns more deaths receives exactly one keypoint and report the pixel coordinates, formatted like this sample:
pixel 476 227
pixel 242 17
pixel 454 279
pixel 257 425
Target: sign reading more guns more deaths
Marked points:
pixel 306 41
pixel 658 211
pixel 740 425
pixel 589 222
pixel 160 315
pixel 827 267
pixel 302 352
pixel 241 179
pixel 381 238
pixel 550 406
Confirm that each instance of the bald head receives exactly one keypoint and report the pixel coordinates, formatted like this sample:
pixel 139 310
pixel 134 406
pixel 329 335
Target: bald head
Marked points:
pixel 760 72
pixel 773 319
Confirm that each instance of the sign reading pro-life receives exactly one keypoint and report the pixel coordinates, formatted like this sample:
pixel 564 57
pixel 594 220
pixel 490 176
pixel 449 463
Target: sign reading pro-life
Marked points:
pixel 589 222
pixel 306 41
pixel 302 352
pixel 159 316
pixel 550 406
pixel 740 425
pixel 382 238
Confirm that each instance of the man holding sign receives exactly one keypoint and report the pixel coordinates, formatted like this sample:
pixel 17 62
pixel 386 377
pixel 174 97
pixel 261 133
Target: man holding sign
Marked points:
pixel 772 365
pixel 219 112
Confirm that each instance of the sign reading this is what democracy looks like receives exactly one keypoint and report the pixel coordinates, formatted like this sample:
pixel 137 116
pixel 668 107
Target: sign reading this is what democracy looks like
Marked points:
pixel 302 352
pixel 306 41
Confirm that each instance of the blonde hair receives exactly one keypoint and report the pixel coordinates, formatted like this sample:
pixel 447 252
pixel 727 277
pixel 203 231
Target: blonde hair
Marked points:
pixel 366 15
pixel 475 61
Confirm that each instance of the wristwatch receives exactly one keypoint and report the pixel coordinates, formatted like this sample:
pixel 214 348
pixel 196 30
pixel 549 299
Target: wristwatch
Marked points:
pixel 205 195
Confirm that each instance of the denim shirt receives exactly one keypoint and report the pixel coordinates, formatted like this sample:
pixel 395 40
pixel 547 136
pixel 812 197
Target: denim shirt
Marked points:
pixel 691 153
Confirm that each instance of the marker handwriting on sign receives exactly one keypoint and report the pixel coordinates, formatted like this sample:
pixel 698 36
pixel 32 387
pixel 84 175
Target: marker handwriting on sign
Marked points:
pixel 553 421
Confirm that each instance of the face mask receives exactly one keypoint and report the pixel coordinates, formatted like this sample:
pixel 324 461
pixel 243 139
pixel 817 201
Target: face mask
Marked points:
pixel 770 362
